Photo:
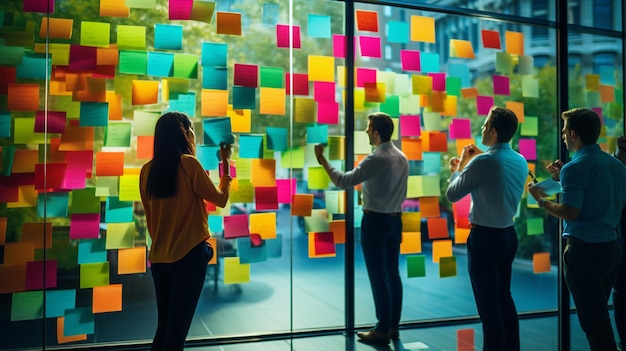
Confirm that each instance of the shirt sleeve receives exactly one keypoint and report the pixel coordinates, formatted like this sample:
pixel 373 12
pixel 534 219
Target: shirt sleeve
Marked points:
pixel 573 190
pixel 462 183
pixel 365 170
pixel 203 185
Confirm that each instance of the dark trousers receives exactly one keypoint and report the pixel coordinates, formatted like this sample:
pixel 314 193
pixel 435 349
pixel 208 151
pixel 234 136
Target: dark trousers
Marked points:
pixel 381 235
pixel 590 271
pixel 619 289
pixel 490 256
pixel 178 286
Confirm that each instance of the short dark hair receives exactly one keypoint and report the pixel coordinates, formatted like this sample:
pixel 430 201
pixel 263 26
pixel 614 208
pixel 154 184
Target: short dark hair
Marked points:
pixel 585 122
pixel 504 121
pixel 382 123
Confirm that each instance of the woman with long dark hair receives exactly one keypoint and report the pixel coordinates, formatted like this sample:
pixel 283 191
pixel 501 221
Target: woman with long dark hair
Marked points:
pixel 173 188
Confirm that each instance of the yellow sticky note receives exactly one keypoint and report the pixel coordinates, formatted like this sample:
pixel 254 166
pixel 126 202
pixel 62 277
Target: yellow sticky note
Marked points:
pixel 131 261
pixel 129 188
pixel 318 178
pixel 244 192
pixel 235 272
pixel 423 29
pixel 321 68
pixel 304 110
pixel 461 48
pixel 263 224
pixel 411 243
pixel 422 85
pixel 60 55
pixel 461 235
pixel 420 186
pixel 114 8
pixel 240 120
pixel 411 221
pixel 293 158
pixel 214 103
pixel 592 82
pixel 145 92
pixel 95 34
pixel 131 37
pixel 441 248
pixel 272 101
pixel 244 168
pixel 263 172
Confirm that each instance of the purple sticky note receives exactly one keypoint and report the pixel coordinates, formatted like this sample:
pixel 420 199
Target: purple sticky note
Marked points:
pixel 236 226
pixel 324 243
pixel 180 9
pixel 370 46
pixel 35 274
pixel 84 226
pixel 484 104
pixel 439 81
pixel 43 6
pixel 528 149
pixel 327 112
pixel 410 126
pixel 282 36
pixel 501 85
pixel 410 60
pixel 365 75
pixel 460 128
pixel 324 91
pixel 286 188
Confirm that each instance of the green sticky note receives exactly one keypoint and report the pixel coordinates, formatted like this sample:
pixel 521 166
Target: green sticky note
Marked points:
pixel 453 86
pixel 447 267
pixel 117 134
pixel 131 37
pixel 416 266
pixel 530 126
pixel 272 77
pixel 94 274
pixel 244 194
pixel 65 103
pixel 96 34
pixel 423 186
pixel 120 236
pixel 186 66
pixel 144 122
pixel 534 226
pixel 85 201
pixel 530 87
pixel 391 106
pixel 27 306
pixel 318 178
pixel 24 132
pixel 133 62
pixel 504 63
pixel 11 55
pixel 293 158
pixel 107 186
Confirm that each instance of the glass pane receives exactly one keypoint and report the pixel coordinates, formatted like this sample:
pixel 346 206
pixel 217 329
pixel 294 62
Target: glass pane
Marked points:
pixel 508 7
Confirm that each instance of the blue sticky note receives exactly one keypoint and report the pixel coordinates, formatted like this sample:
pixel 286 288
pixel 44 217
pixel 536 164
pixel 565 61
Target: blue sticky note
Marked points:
pixel 250 146
pixel 5 124
pixel 79 321
pixel 214 78
pixel 216 224
pixel 244 98
pixel 276 138
pixel 462 71
pixel 398 32
pixel 55 204
pixel 214 54
pixel 318 26
pixel 429 62
pixel 274 247
pixel 317 134
pixel 416 167
pixel 216 130
pixel 33 67
pixel 248 253
pixel 183 102
pixel 207 155
pixel 92 251
pixel 160 64
pixel 117 211
pixel 94 114
pixel 168 37
pixel 432 163
pixel 57 301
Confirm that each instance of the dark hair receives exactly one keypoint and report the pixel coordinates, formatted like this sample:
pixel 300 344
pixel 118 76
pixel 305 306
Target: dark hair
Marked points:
pixel 504 121
pixel 382 123
pixel 585 123
pixel 172 139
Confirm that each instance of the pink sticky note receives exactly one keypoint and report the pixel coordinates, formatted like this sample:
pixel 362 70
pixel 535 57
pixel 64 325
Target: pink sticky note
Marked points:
pixel 266 197
pixel 44 6
pixel 84 226
pixel 324 91
pixel 484 104
pixel 75 178
pixel 236 226
pixel 528 149
pixel 256 240
pixel 365 75
pixel 460 128
pixel 324 243
pixel 286 188
pixel 598 111
pixel 35 274
pixel 180 9
pixel 439 81
pixel 233 170
pixel 82 159
pixel 246 75
pixel 410 126
pixel 282 36
pixel 339 46
pixel 370 46
pixel 501 85
pixel 56 121
pixel 410 60
pixel 328 112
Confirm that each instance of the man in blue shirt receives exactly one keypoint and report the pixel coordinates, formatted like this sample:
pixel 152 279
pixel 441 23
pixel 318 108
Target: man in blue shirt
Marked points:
pixel 495 179
pixel 594 194
pixel 384 175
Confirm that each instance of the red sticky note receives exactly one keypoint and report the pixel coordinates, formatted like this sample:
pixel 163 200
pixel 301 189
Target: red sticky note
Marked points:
pixel 23 97
pixel 465 340
pixel 54 173
pixel 324 243
pixel 56 121
pixel 367 20
pixel 439 81
pixel 300 83
pixel 246 75
pixel 491 39
pixel 266 198
pixel 109 163
pixel 8 75
pixel 43 6
pixel 236 226
pixel 35 274
pixel 437 228
pixel 282 36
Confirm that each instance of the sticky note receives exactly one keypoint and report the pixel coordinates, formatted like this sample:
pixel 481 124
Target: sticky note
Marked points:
pixel 501 85
pixel 541 262
pixel 318 26
pixel 202 11
pixel 214 102
pixel 272 101
pixel 94 274
pixel 23 97
pixel 397 32
pixel 107 298
pixel 302 205
pixel 461 49
pixel 321 68
pixel 27 305
pixel 168 37
pixel 39 271
pixel 56 28
pixel 114 8
pixel 370 46
pixel 283 36
pixel 214 54
pixel 95 34
pixel 245 75
pixel 300 83
pixel 534 226
pixel 528 148
pixel 78 321
pixel 410 60
pixel 250 146
pixel 186 66
pixel 46 6
pixel 367 20
pixel 131 37
pixel 416 266
pixel 236 272
pixel 437 228
pixel 530 126
pixel 131 260
pixel 441 248
pixel 411 243
pixel 276 138
pixel 228 23
pixel 129 188
pixel 484 105
pixel 423 29
pixel 133 62
pixel 514 42
pixel 465 340
pixel 91 251
pixel 57 301
pixel 263 224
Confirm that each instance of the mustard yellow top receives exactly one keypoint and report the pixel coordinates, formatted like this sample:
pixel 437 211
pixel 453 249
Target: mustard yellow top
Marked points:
pixel 179 223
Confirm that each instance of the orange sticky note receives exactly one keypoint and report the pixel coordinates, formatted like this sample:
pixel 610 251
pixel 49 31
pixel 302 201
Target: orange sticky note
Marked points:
pixel 461 235
pixel 145 92
pixel 367 20
pixel 107 298
pixel 107 56
pixel 130 261
pixel 145 147
pixel 429 207
pixel 61 338
pixel 13 278
pixel 411 243
pixel 436 101
pixel 34 233
pixel 77 138
pixel 541 262
pixel 461 48
pixel 461 143
pixel 437 228
pixel 23 97
pixel 517 108
pixel 468 93
pixel 115 105
pixel 412 148
pixel 441 248
pixel 109 163
pixel 19 253
pixel 95 90
pixel 434 141
pixel 24 161
pixel 114 8
pixel 302 205
pixel 423 29
pixel 263 172
pixel 338 228
pixel 514 43
pixel 491 39
pixel 272 101
pixel 375 92
pixel 3 230
pixel 214 103
pixel 59 28
pixel 213 243
pixel 228 23
pixel 465 340
pixel 607 93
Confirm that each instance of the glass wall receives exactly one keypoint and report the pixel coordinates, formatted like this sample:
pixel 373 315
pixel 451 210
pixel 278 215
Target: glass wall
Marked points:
pixel 83 84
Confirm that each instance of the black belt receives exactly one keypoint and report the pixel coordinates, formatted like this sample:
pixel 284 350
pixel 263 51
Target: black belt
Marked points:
pixel 571 240
pixel 393 214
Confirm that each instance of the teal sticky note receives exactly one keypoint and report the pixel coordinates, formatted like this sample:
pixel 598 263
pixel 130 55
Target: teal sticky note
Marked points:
pixel 429 62
pixel 168 37
pixel 133 62
pixel 27 306
pixel 79 321
pixel 244 98
pixel 214 78
pixel 274 246
pixel 272 77
pixel 391 106
pixel 214 54
pixel 117 134
pixel 416 266
pixel 92 251
pixel 117 211
pixel 248 253
pixel 460 71
pixel 432 163
pixel 317 134
pixel 250 146
pixel 5 124
pixel 160 64
pixel 186 66
pixel 57 301
pixel 276 138
pixel 607 75
pixel 216 130
pixel 8 157
pixel 447 267
pixel 398 32
pixel 216 224
pixel 33 66
pixel 271 13
pixel 84 201
pixel 55 204
pixel 318 26
pixel 183 102
pixel 453 86
pixel 207 155
pixel 94 114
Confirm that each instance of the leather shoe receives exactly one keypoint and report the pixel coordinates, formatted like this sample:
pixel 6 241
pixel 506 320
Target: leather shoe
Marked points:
pixel 394 334
pixel 374 337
